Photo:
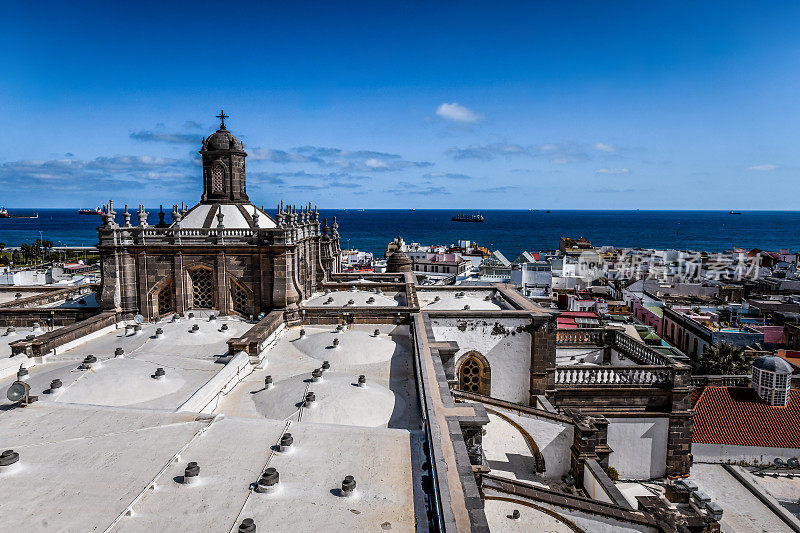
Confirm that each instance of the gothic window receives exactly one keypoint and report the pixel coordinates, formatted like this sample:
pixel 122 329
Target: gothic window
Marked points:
pixel 241 302
pixel 164 299
pixel 217 178
pixel 202 288
pixel 473 376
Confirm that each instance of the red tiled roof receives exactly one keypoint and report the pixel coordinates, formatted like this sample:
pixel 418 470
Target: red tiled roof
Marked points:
pixel 578 314
pixel 737 417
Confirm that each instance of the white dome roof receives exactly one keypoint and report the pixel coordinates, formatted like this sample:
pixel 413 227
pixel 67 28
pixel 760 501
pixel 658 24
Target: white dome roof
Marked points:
pixel 234 216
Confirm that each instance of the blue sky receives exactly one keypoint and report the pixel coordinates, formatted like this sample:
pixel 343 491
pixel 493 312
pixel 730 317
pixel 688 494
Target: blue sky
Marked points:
pixel 546 105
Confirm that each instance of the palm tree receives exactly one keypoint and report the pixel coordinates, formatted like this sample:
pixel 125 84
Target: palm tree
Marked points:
pixel 723 358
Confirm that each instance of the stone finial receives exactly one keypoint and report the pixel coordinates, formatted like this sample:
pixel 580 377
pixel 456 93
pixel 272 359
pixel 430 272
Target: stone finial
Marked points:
pixel 142 216
pixel 127 217
pixel 176 215
pixel 161 215
pixel 220 216
pixel 255 218
pixel 325 228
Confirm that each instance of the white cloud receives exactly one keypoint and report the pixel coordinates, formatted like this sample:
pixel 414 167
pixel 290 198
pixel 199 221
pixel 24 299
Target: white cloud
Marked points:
pixel 604 147
pixel 458 113
pixel 376 163
pixel 763 168
pixel 612 170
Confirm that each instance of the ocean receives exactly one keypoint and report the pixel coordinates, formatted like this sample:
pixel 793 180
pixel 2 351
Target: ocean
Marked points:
pixel 511 232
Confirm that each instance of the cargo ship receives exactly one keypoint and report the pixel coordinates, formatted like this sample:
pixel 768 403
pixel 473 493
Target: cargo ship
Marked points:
pixel 468 218
pixel 95 211
pixel 4 213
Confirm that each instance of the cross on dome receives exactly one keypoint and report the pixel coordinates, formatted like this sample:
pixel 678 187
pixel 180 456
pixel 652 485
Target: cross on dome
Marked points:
pixel 222 116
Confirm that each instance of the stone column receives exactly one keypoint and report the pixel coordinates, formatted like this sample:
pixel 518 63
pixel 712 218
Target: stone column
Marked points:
pixel 180 282
pixel 221 284
pixel 679 437
pixel 543 355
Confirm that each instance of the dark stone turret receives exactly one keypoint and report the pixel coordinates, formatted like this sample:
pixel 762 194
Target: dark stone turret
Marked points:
pixel 223 167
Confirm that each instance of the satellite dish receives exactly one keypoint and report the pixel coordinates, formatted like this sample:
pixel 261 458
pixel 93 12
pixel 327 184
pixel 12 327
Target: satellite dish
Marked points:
pixel 793 462
pixel 138 319
pixel 18 391
pixel 778 461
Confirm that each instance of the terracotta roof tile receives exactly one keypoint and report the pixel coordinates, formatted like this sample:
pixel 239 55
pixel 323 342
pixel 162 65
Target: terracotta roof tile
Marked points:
pixel 737 417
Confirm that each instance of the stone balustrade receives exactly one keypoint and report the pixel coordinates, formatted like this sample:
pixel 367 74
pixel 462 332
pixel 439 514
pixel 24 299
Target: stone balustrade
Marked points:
pixel 579 336
pixel 608 375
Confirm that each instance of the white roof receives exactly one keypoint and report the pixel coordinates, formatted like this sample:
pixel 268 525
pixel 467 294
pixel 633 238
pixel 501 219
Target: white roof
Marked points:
pixel 205 216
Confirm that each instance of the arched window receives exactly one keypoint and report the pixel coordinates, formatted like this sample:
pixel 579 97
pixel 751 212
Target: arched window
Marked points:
pixel 218 178
pixel 164 299
pixel 473 374
pixel 201 281
pixel 240 299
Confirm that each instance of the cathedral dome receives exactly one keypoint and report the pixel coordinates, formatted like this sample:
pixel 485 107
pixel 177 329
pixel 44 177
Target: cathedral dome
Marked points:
pixel 222 139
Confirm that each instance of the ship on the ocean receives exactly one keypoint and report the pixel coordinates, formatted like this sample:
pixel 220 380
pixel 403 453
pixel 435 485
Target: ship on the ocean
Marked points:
pixel 4 212
pixel 95 211
pixel 468 218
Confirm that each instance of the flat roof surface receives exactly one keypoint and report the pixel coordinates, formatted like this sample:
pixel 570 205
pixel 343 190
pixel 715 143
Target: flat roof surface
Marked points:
pixel 109 450
pixel 742 511
pixel 360 298
pixel 190 360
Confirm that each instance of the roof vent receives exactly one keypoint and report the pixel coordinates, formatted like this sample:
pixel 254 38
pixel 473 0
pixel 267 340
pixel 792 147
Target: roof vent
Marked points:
pixel 128 329
pixel 327 291
pixel 309 399
pixel 302 333
pixel 286 441
pixel 191 474
pixel 159 374
pixel 339 327
pixel 8 458
pixel 326 366
pixel 371 300
pixel 224 327
pixel 362 381
pixel 376 333
pixel 336 342
pixel 195 328
pixel 191 315
pixel 18 295
pixel 514 515
pixel 11 330
pixel 55 385
pixel 268 482
pixel 22 373
pixel 348 486
pixel 466 308
pixel 316 375
pixel 351 302
pixel 488 298
pixel 30 337
pixel 119 352
pixel 460 295
pixel 437 298
pixel 88 361
pixel 159 333
pixel 268 382
pixel 247 526
pixel 212 317
pixel 176 317
pixel 328 301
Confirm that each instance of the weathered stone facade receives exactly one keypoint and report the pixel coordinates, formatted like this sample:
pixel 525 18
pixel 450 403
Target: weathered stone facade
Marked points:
pixel 222 254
